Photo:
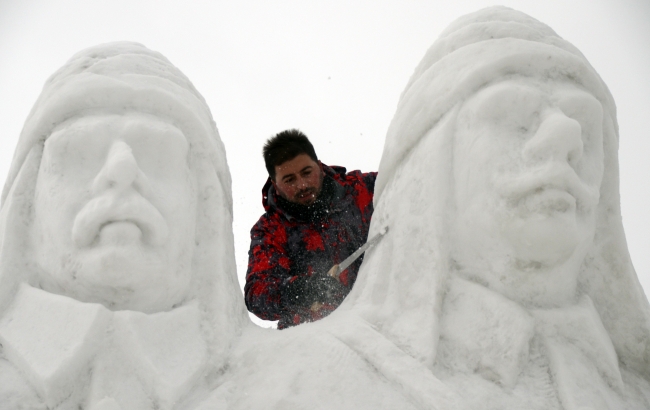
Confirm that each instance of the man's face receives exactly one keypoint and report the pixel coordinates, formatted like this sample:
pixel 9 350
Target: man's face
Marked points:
pixel 115 212
pixel 528 163
pixel 299 180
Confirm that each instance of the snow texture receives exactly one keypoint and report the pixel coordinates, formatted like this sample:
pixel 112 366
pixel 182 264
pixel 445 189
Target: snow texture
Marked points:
pixel 118 287
pixel 504 281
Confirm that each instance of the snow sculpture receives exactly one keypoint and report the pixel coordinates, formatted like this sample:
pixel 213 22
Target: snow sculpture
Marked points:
pixel 504 282
pixel 506 271
pixel 118 287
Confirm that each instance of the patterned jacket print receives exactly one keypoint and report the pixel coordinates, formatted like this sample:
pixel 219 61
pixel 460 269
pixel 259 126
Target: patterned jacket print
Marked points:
pixel 285 245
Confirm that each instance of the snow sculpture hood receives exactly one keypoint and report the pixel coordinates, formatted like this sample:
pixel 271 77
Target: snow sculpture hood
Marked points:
pixel 473 51
pixel 404 279
pixel 118 78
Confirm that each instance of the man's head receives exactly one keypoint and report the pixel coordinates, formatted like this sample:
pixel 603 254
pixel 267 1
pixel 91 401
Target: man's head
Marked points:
pixel 293 166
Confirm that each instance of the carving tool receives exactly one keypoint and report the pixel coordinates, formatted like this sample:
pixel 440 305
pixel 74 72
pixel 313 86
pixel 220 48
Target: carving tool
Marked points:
pixel 336 270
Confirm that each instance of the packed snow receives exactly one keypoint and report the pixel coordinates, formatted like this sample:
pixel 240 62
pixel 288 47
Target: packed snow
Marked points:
pixel 504 281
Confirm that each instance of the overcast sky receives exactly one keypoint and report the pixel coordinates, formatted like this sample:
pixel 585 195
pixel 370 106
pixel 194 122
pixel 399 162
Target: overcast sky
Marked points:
pixel 332 68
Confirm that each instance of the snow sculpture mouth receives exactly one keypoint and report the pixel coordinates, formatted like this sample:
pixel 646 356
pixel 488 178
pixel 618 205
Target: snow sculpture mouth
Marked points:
pixel 552 189
pixel 120 232
pixel 110 220
pixel 550 199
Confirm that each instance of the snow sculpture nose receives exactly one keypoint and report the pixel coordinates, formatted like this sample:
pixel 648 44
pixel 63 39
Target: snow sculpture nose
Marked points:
pixel 557 138
pixel 120 169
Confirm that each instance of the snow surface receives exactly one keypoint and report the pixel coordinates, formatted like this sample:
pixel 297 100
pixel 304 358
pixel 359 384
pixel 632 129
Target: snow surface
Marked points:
pixel 118 284
pixel 503 283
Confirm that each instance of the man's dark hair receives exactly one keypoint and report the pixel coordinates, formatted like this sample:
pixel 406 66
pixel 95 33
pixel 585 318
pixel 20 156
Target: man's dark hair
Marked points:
pixel 285 146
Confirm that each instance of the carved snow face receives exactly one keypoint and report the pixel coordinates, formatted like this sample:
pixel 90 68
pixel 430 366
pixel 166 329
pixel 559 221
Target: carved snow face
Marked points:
pixel 115 212
pixel 528 163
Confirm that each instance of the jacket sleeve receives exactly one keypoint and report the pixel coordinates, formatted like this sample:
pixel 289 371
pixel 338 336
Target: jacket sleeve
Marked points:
pixel 268 270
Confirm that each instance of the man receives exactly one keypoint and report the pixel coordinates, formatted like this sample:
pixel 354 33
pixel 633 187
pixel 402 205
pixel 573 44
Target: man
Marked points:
pixel 117 276
pixel 316 216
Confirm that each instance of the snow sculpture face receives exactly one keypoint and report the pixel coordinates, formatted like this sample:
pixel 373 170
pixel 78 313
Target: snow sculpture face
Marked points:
pixel 528 163
pixel 115 212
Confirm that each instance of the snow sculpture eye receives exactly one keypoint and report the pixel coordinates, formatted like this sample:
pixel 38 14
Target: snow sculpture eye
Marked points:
pixel 585 109
pixel 514 111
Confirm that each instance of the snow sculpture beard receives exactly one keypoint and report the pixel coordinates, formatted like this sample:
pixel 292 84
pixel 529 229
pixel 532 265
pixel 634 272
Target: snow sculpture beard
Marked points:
pixel 115 212
pixel 528 164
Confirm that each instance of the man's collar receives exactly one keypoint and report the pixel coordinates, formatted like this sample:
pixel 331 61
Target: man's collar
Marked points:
pixel 54 340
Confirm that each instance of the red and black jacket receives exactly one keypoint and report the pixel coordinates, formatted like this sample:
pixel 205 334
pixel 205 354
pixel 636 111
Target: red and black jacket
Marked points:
pixel 290 247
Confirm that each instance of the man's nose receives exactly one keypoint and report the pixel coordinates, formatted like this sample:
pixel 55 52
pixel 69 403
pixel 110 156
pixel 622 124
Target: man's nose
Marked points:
pixel 557 138
pixel 120 169
pixel 302 182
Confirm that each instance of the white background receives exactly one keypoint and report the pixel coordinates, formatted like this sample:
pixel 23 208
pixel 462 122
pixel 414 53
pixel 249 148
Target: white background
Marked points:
pixel 332 68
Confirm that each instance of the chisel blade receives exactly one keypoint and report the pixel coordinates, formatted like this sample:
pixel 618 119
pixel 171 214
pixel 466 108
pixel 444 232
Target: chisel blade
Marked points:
pixel 350 259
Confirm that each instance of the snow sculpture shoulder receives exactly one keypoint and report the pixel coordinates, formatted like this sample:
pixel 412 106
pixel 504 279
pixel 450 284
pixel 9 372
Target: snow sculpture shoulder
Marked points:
pixel 117 276
pixel 506 271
